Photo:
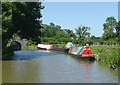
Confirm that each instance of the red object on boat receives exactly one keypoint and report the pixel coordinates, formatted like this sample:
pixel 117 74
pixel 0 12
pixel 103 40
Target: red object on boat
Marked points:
pixel 70 49
pixel 48 49
pixel 55 46
pixel 87 50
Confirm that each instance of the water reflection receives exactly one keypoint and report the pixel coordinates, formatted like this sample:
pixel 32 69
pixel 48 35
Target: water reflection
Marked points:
pixel 29 54
pixel 50 67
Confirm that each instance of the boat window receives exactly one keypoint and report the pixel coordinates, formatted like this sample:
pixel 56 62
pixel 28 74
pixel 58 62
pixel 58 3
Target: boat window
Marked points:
pixel 80 52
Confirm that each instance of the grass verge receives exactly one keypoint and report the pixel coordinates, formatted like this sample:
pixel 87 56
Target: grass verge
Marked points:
pixel 107 54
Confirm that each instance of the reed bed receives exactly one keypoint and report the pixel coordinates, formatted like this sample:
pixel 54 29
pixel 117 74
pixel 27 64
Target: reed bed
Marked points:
pixel 107 54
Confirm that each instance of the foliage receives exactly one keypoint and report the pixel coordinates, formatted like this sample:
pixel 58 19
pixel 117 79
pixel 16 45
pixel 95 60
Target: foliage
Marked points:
pixel 54 40
pixel 32 47
pixel 21 18
pixel 50 30
pixel 6 20
pixel 53 30
pixel 108 55
pixel 28 23
pixel 61 46
pixel 53 34
pixel 70 33
pixel 109 28
pixel 30 42
pixel 89 42
pixel 118 30
pixel 110 41
pixel 82 32
pixel 97 49
pixel 75 41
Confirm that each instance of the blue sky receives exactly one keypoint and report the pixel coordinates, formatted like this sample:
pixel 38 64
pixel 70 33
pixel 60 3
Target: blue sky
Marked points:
pixel 71 15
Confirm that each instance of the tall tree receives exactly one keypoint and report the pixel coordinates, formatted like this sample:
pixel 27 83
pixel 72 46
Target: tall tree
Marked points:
pixel 22 18
pixel 6 19
pixel 118 29
pixel 93 37
pixel 52 30
pixel 6 22
pixel 70 33
pixel 83 32
pixel 109 27
pixel 28 16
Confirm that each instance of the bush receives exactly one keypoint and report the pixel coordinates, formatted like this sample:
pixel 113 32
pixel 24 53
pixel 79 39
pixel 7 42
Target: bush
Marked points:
pixel 75 41
pixel 107 55
pixel 29 42
pixel 51 42
pixel 110 57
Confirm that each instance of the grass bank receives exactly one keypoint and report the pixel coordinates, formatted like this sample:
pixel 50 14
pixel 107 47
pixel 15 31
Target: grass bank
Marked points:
pixel 107 54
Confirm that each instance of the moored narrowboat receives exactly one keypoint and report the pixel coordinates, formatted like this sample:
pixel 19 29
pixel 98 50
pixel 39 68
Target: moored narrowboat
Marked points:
pixel 45 46
pixel 67 46
pixel 82 53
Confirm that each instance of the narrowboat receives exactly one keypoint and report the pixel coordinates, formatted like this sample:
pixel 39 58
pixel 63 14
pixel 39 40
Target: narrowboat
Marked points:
pixel 44 46
pixel 82 53
pixel 59 50
pixel 65 49
pixel 67 46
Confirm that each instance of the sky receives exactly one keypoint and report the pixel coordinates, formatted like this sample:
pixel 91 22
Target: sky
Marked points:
pixel 71 15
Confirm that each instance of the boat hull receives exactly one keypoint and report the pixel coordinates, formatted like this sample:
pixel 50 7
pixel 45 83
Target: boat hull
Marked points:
pixel 89 57
pixel 41 48
pixel 63 50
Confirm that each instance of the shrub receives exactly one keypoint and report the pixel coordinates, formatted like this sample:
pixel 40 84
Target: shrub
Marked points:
pixel 29 43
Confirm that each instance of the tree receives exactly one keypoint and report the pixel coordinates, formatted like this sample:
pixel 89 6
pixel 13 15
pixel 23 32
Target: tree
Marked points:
pixel 50 30
pixel 6 21
pixel 53 30
pixel 55 33
pixel 118 29
pixel 93 37
pixel 28 20
pixel 22 18
pixel 109 28
pixel 70 33
pixel 82 32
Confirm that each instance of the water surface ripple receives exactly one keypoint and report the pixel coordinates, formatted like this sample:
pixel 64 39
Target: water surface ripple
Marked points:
pixel 49 67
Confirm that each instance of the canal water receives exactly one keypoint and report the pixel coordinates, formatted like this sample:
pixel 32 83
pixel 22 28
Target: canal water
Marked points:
pixel 50 67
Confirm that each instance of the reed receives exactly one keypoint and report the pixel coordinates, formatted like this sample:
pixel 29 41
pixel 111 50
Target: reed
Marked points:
pixel 107 54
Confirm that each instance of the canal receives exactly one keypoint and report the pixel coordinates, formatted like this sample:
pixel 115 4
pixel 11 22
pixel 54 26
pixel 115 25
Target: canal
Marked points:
pixel 50 67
